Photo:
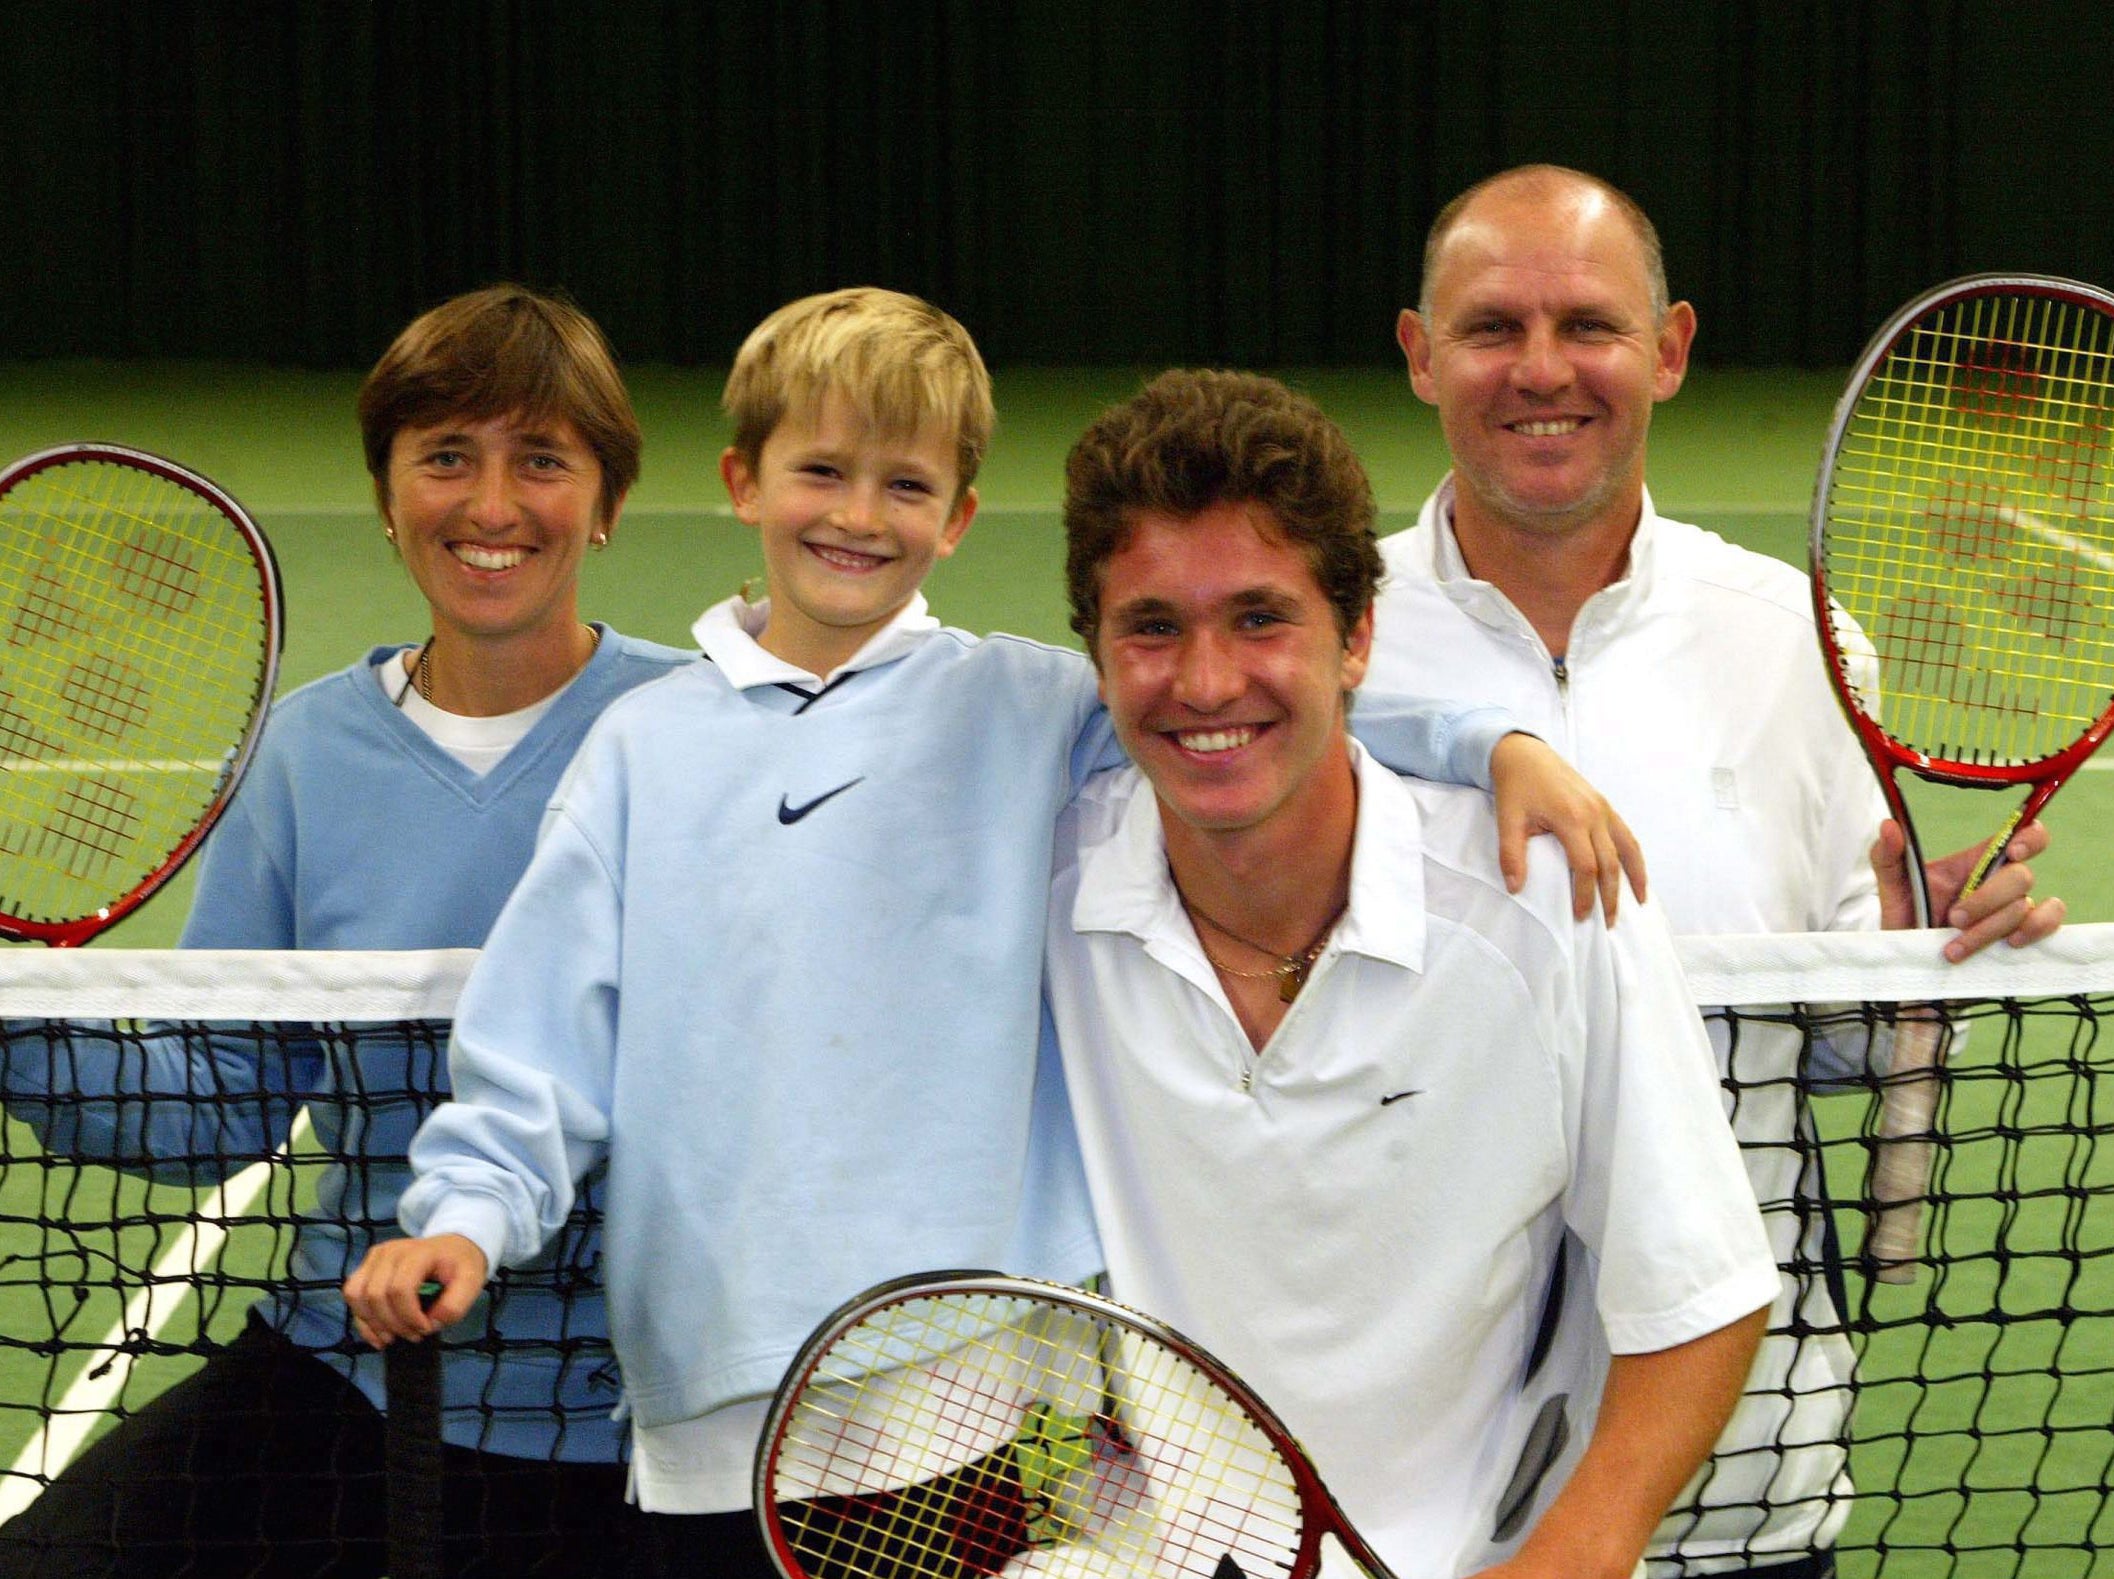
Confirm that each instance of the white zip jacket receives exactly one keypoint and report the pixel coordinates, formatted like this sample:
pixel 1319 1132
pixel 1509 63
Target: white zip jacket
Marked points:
pixel 1694 696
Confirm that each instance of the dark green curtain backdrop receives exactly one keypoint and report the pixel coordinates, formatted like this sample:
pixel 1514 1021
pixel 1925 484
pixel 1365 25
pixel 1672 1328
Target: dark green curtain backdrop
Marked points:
pixel 1138 182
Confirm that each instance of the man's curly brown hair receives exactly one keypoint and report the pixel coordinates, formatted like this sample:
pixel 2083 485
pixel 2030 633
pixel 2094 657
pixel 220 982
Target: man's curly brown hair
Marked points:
pixel 1192 439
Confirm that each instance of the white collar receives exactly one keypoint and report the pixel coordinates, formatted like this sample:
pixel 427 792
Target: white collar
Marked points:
pixel 1125 884
pixel 1483 600
pixel 727 632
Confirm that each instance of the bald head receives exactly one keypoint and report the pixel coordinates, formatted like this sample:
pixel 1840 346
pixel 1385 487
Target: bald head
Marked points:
pixel 1544 189
pixel 1545 341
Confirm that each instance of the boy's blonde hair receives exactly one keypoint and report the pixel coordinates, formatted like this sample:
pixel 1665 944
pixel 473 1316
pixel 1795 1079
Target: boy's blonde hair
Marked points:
pixel 901 362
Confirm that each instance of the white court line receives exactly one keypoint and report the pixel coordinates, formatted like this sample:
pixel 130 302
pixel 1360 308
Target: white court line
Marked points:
pixel 2027 521
pixel 150 1310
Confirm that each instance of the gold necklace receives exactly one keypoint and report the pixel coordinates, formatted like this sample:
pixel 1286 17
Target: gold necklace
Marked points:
pixel 1291 970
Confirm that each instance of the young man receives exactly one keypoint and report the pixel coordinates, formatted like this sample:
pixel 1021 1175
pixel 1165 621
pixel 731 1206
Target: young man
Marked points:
pixel 1340 1094
pixel 778 956
pixel 1682 675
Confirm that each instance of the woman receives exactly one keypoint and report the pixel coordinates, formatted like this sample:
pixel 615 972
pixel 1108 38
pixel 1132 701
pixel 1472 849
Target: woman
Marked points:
pixel 391 806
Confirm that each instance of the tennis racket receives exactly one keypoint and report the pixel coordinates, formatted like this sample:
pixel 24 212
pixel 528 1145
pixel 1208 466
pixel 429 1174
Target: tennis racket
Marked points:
pixel 412 1458
pixel 1963 586
pixel 142 624
pixel 953 1424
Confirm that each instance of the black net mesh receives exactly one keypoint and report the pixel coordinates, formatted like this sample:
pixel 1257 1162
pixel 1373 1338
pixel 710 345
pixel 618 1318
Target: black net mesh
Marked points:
pixel 1958 1422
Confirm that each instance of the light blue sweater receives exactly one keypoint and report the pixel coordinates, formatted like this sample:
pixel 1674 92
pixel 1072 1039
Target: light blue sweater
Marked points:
pixel 778 960
pixel 353 830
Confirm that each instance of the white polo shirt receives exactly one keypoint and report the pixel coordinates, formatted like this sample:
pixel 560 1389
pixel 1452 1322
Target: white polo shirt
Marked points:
pixel 1694 696
pixel 1362 1218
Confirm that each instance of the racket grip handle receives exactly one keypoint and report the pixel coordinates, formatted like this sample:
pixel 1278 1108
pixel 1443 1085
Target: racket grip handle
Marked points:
pixel 1903 1150
pixel 412 1456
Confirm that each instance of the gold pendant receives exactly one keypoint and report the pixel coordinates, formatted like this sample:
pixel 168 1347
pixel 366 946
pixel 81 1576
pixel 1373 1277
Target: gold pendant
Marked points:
pixel 1291 976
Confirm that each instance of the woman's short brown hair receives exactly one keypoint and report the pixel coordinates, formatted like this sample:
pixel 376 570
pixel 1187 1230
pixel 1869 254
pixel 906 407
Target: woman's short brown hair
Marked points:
pixel 504 350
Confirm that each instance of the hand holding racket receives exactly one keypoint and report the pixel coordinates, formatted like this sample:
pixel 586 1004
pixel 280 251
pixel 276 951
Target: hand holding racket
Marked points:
pixel 953 1424
pixel 1963 584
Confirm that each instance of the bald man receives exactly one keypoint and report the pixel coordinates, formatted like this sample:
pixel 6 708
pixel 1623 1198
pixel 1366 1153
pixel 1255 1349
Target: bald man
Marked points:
pixel 1681 675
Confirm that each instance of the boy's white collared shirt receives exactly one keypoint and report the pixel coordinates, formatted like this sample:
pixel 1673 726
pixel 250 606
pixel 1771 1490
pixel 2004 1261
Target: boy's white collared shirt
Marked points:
pixel 730 632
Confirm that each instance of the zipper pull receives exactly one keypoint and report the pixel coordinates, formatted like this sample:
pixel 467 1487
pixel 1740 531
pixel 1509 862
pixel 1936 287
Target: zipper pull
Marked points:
pixel 1562 673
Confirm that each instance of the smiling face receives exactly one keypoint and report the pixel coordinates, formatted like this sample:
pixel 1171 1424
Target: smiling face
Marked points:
pixel 1542 349
pixel 492 517
pixel 852 520
pixel 1225 671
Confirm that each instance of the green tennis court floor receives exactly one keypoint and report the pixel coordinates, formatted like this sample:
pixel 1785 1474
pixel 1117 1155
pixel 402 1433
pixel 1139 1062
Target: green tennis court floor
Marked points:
pixel 1735 451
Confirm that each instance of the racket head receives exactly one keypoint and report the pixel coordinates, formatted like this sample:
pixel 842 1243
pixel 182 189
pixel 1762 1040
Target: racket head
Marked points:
pixel 944 1423
pixel 141 624
pixel 1962 533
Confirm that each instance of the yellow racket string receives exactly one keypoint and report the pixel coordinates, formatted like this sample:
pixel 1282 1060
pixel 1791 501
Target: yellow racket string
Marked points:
pixel 958 1435
pixel 133 641
pixel 1969 528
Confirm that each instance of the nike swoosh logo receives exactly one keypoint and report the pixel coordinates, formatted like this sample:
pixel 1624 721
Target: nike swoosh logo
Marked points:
pixel 1396 1096
pixel 790 814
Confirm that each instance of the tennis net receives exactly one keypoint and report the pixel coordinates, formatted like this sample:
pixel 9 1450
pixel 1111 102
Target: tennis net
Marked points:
pixel 1972 1400
pixel 198 1149
pixel 1972 1403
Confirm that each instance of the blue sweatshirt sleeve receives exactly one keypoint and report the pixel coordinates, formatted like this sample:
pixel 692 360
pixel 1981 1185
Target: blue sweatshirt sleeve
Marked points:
pixel 1446 742
pixel 532 1059
pixel 187 1104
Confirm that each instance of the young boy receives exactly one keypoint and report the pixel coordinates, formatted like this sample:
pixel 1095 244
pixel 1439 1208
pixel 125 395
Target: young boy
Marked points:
pixel 778 956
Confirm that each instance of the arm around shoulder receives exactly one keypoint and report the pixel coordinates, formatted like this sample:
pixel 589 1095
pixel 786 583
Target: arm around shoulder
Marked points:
pixel 1536 790
pixel 1446 742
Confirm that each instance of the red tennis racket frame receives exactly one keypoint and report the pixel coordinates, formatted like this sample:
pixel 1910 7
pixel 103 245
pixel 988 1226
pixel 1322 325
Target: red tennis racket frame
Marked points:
pixel 1887 754
pixel 79 930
